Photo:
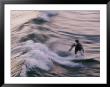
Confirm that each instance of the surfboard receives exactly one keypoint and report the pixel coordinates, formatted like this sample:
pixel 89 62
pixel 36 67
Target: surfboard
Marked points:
pixel 86 60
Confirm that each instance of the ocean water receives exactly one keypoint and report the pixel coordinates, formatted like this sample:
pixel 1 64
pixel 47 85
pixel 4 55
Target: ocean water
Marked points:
pixel 40 46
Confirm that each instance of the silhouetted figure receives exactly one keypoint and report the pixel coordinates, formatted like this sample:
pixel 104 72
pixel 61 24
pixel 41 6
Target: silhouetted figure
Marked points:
pixel 78 47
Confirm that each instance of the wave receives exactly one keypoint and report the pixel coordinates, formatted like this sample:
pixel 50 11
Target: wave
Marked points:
pixel 40 46
pixel 38 55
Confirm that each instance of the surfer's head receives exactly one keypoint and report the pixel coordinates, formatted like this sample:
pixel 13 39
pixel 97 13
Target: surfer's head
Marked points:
pixel 77 41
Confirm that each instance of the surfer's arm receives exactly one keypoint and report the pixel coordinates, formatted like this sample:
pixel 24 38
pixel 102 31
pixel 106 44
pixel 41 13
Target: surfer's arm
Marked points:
pixel 71 47
pixel 82 49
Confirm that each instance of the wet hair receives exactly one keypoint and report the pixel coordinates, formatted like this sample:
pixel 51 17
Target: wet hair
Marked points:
pixel 77 41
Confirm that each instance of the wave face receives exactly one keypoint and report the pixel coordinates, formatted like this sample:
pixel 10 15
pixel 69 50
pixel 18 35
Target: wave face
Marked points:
pixel 39 46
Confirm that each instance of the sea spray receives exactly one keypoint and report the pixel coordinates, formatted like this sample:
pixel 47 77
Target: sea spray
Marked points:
pixel 40 56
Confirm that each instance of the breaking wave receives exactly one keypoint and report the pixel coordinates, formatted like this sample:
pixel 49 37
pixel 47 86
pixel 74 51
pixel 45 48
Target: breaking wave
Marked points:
pixel 37 55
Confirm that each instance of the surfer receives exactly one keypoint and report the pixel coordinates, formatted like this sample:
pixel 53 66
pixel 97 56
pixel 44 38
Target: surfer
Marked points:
pixel 78 47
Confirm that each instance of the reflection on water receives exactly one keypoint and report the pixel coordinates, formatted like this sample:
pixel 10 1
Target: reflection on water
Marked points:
pixel 40 45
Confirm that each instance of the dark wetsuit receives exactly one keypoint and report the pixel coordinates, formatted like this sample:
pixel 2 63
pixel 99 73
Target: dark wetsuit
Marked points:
pixel 78 47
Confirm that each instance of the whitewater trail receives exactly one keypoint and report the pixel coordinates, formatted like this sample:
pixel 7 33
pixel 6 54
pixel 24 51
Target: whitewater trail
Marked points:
pixel 37 55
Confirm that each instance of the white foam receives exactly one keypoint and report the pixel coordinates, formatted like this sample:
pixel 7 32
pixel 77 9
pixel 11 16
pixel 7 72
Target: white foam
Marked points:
pixel 40 56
